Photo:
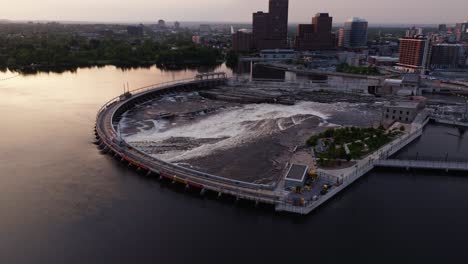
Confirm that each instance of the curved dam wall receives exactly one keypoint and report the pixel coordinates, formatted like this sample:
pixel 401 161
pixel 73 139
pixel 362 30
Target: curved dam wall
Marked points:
pixel 106 133
pixel 156 93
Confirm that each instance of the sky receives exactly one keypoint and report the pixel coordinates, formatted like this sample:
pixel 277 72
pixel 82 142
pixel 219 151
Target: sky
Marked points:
pixel 375 11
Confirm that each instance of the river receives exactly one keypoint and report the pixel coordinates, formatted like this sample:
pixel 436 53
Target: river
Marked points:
pixel 61 201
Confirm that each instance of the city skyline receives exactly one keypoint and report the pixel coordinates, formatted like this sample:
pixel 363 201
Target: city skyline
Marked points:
pixel 379 12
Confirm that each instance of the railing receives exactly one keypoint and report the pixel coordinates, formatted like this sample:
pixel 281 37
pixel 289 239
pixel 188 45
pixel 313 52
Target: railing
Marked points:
pixel 208 176
pixel 418 157
pixel 123 146
pixel 160 86
pixel 142 90
pixel 360 169
pixel 424 164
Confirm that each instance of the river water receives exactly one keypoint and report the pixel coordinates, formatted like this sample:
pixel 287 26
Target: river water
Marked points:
pixel 63 202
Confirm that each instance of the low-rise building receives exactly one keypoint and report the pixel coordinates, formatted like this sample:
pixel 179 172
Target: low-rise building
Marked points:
pixel 411 81
pixel 296 176
pixel 382 60
pixel 402 111
pixel 280 54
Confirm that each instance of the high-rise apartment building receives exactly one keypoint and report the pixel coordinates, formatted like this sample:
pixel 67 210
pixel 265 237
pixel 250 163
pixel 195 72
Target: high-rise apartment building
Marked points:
pixel 270 30
pixel 355 33
pixel 412 54
pixel 316 36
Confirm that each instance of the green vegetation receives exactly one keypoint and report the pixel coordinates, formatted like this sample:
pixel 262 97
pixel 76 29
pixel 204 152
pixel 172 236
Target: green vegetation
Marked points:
pixel 55 51
pixel 345 68
pixel 232 59
pixel 359 141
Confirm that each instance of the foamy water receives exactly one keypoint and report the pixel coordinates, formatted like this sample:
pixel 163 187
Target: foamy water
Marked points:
pixel 238 125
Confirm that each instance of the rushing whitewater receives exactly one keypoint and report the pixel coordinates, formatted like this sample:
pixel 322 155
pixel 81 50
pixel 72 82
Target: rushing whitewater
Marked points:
pixel 225 129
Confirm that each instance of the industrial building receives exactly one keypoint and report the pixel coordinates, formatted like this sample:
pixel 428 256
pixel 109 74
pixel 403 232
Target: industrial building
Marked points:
pixel 407 86
pixel 402 111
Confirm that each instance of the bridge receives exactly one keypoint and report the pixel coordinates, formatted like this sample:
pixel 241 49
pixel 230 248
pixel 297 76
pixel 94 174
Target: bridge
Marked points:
pixel 109 141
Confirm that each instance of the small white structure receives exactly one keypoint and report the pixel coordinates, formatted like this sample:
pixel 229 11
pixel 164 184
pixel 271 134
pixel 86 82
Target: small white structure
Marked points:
pixel 296 176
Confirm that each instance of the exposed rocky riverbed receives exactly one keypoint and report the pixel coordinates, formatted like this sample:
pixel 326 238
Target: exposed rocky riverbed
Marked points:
pixel 243 141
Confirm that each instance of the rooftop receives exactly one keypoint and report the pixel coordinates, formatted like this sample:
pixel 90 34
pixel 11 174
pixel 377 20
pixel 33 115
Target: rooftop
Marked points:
pixel 356 19
pixel 385 58
pixel 297 172
pixel 277 51
pixel 393 81
pixel 404 104
pixel 411 78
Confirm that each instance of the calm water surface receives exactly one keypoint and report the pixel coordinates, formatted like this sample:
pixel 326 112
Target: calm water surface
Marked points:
pixel 63 202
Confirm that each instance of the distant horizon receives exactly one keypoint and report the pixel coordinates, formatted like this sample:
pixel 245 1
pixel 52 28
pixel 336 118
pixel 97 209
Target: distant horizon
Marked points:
pixel 421 12
pixel 129 22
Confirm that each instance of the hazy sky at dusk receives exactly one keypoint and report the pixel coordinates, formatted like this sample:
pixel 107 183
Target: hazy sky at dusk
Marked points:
pixel 376 11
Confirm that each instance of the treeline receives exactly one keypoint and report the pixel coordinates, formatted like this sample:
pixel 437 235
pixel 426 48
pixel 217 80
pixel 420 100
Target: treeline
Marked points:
pixel 58 51
pixel 345 68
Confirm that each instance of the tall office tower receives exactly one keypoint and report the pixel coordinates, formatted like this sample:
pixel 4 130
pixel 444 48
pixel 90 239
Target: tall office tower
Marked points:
pixel 355 33
pixel 260 29
pixel 279 21
pixel 316 36
pixel 270 30
pixel 412 54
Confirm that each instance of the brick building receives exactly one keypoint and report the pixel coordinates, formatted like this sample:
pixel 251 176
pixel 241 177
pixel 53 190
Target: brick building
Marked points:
pixel 270 30
pixel 316 36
